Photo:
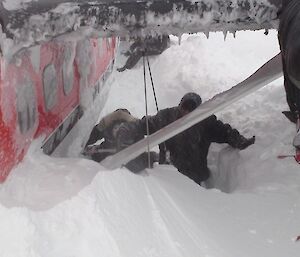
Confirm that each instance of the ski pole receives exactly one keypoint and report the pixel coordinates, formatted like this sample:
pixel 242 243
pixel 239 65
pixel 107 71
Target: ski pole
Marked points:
pixel 92 151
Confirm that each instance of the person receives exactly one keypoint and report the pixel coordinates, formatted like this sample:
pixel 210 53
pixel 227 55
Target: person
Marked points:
pixel 289 41
pixel 189 149
pixel 148 46
pixel 106 129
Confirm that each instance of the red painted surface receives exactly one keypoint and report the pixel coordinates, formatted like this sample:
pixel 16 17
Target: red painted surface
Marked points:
pixel 13 143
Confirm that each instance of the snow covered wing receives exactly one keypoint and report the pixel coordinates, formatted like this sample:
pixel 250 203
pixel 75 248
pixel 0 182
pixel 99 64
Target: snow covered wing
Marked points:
pixel 263 76
pixel 29 22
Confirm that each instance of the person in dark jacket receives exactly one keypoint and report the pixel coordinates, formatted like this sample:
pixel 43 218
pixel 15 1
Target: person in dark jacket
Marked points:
pixel 289 40
pixel 189 149
pixel 148 46
pixel 106 129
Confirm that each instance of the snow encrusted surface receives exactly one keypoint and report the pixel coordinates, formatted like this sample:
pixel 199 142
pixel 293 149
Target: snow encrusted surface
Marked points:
pixel 28 23
pixel 73 207
pixel 15 4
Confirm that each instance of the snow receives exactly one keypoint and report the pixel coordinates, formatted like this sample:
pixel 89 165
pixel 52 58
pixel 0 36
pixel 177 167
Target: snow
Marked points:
pixel 15 4
pixel 73 207
pixel 68 72
pixel 50 83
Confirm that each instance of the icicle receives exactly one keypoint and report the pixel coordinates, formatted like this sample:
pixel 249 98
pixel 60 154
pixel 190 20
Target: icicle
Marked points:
pixel 126 38
pixel 225 34
pixel 179 39
pixel 234 33
pixel 266 32
pixel 207 34
pixel 18 61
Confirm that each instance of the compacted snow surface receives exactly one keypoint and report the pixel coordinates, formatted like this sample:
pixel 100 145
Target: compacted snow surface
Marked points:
pixel 72 207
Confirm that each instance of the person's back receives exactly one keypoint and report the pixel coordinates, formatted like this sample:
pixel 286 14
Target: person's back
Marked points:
pixel 156 45
pixel 189 149
pixel 148 46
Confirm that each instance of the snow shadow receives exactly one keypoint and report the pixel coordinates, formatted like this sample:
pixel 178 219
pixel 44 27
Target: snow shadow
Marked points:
pixel 41 182
pixel 226 173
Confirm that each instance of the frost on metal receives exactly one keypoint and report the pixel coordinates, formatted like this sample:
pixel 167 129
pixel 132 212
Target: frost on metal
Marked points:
pixel 42 20
pixel 15 4
pixel 67 67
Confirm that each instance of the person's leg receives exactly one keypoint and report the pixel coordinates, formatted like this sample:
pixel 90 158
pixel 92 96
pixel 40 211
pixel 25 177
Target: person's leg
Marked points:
pixel 102 151
pixel 141 162
pixel 131 61
pixel 289 41
pixel 138 164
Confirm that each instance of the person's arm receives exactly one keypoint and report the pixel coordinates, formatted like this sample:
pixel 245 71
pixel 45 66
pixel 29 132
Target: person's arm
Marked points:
pixel 158 121
pixel 132 60
pixel 131 132
pixel 220 132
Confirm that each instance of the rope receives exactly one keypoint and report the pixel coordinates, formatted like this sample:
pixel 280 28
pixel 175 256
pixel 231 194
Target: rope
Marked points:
pixel 146 106
pixel 162 146
pixel 153 89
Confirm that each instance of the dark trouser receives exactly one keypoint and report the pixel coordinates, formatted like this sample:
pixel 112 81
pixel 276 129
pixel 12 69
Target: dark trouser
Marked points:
pixel 150 46
pixel 141 162
pixel 288 35
pixel 292 94
pixel 132 60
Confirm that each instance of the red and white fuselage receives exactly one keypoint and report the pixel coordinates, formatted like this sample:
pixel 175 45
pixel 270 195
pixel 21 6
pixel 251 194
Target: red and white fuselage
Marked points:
pixel 41 93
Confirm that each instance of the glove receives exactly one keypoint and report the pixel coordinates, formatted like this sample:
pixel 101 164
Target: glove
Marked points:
pixel 245 142
pixel 121 69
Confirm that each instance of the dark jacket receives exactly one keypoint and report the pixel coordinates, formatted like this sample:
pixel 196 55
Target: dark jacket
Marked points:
pixel 189 149
pixel 149 46
pixel 289 40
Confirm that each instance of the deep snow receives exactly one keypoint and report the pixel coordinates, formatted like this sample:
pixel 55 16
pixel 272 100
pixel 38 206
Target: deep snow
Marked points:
pixel 73 207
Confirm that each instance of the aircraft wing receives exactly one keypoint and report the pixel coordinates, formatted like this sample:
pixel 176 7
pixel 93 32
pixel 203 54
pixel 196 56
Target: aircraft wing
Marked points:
pixel 29 22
